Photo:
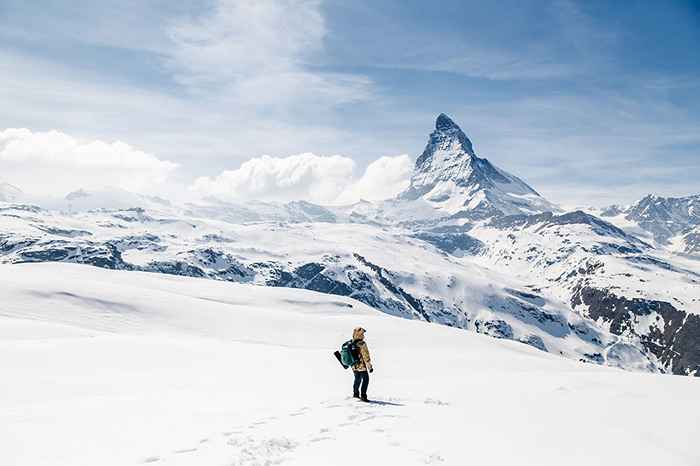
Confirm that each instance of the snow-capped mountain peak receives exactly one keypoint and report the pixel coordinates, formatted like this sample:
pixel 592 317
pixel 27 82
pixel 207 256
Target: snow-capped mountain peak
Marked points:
pixel 446 129
pixel 447 157
pixel 451 177
pixel 662 217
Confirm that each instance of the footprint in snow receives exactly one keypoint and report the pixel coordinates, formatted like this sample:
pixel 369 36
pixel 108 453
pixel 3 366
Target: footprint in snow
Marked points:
pixel 332 404
pixel 152 459
pixel 434 458
pixel 255 452
pixel 433 401
pixel 300 412
pixel 185 450
pixel 253 425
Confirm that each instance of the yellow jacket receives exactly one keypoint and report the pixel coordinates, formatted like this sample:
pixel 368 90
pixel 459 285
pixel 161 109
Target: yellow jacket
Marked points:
pixel 365 364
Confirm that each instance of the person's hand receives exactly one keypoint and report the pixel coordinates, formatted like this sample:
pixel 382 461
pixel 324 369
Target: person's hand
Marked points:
pixel 371 370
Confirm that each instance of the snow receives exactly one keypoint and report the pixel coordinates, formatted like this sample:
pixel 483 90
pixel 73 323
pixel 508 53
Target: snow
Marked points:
pixel 9 193
pixel 117 368
pixel 546 253
pixel 449 176
pixel 461 290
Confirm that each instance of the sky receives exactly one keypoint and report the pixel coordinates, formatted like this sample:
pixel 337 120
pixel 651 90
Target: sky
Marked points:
pixel 590 102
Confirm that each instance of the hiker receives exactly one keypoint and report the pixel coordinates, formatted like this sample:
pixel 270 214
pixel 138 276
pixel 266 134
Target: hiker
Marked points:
pixel 363 367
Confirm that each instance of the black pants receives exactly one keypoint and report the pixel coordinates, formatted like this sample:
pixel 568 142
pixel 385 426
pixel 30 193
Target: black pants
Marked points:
pixel 361 377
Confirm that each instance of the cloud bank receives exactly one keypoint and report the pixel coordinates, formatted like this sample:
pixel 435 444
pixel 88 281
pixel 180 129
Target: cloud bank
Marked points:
pixel 320 179
pixel 51 164
pixel 54 163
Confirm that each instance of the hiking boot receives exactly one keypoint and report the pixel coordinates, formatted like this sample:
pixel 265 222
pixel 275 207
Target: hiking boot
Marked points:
pixel 364 398
pixel 355 395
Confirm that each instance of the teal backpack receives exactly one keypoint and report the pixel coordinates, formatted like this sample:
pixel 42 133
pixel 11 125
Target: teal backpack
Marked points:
pixel 349 353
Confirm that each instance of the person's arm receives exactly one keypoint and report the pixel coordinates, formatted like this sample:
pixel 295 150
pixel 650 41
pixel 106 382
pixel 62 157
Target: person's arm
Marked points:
pixel 364 353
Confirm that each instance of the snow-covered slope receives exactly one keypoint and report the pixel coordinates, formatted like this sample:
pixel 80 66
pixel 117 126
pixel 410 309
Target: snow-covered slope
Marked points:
pixel 430 275
pixel 452 179
pixel 665 219
pixel 119 368
pixel 690 241
pixel 624 284
pixel 447 251
pixel 9 193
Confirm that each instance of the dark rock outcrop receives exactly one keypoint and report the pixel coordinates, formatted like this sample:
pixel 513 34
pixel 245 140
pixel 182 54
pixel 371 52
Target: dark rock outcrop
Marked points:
pixel 673 336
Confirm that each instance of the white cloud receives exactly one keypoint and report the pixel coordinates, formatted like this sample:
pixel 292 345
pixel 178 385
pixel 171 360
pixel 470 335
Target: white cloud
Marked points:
pixel 53 163
pixel 242 37
pixel 383 178
pixel 257 52
pixel 321 179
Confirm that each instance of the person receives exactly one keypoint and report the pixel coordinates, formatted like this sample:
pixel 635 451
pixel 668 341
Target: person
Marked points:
pixel 363 367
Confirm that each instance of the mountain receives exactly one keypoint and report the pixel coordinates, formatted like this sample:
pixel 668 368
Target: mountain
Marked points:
pixel 453 179
pixel 661 217
pixel 573 284
pixel 9 193
pixel 427 275
pixel 184 371
pixel 109 198
pixel 690 242
pixel 624 284
pixel 256 211
pixel 665 217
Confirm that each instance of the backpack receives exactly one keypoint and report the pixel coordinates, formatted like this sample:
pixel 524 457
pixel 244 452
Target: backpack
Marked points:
pixel 349 353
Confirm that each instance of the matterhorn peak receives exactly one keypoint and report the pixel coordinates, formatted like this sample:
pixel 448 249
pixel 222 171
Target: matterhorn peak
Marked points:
pixel 448 133
pixel 451 177
pixel 445 123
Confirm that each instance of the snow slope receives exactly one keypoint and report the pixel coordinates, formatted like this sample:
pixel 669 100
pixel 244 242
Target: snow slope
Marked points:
pixel 423 275
pixel 466 245
pixel 117 368
pixel 671 222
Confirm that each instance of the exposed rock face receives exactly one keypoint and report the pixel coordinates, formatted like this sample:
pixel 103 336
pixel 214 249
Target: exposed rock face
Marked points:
pixel 459 244
pixel 609 276
pixel 672 335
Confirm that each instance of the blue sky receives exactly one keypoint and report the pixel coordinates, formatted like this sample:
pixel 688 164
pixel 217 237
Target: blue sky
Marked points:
pixel 590 102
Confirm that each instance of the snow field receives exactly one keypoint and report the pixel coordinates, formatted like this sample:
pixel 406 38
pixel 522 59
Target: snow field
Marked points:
pixel 117 368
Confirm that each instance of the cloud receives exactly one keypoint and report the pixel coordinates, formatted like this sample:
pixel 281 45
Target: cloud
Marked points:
pixel 383 178
pixel 258 52
pixel 204 135
pixel 321 179
pixel 54 163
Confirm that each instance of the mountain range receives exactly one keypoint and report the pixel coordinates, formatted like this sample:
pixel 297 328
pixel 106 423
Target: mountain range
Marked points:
pixel 466 245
